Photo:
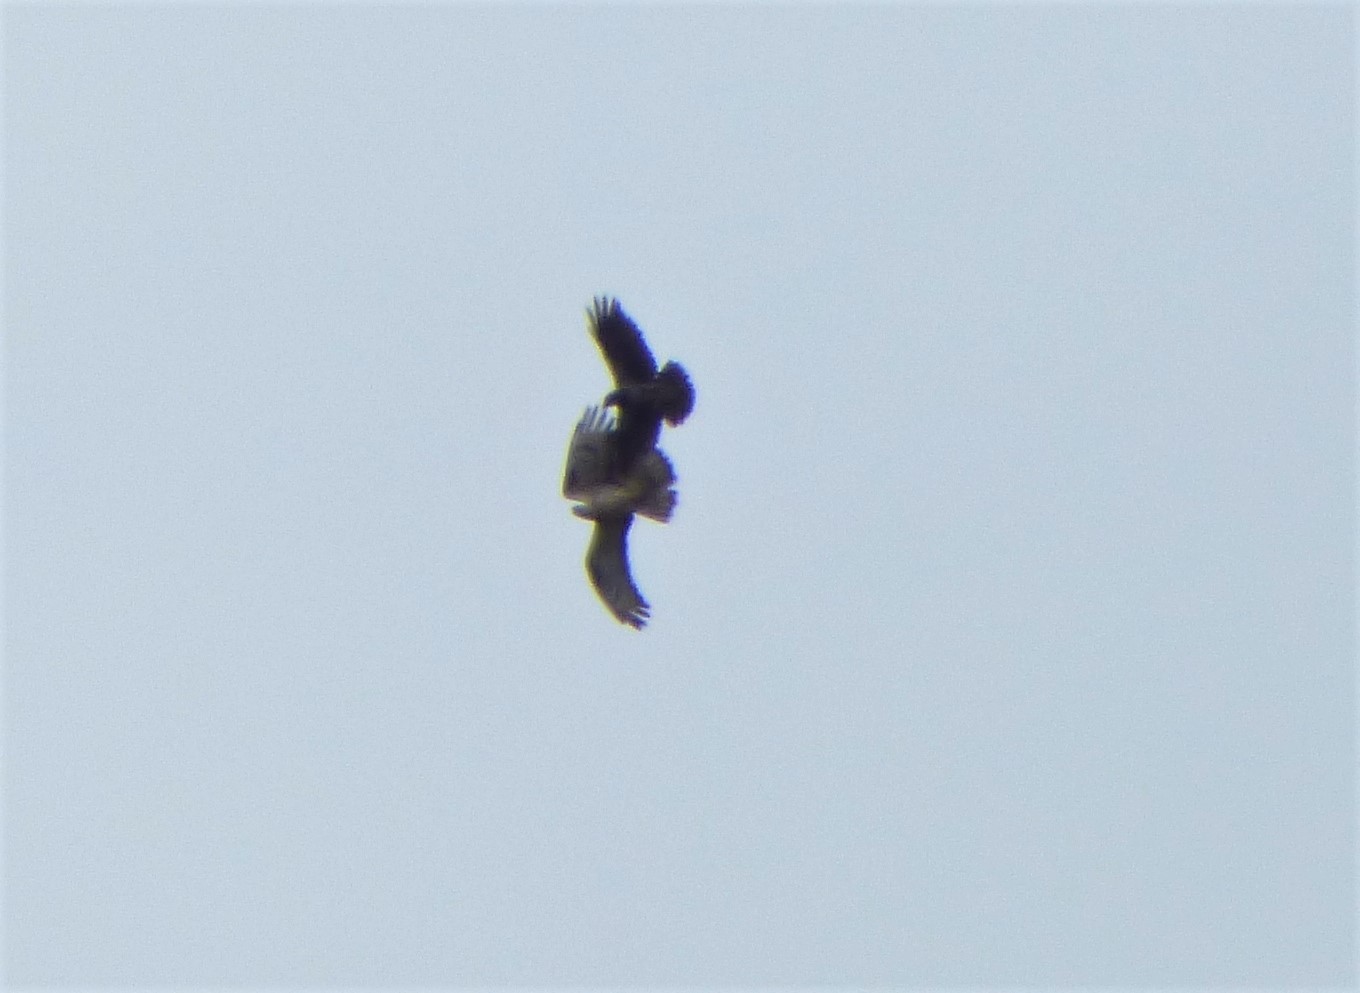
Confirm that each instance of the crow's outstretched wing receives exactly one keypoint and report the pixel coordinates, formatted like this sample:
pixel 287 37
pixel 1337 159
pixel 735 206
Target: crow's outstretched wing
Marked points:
pixel 607 566
pixel 620 340
pixel 631 363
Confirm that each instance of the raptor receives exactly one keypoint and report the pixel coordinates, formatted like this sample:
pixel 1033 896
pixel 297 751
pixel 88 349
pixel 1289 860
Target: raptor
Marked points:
pixel 612 500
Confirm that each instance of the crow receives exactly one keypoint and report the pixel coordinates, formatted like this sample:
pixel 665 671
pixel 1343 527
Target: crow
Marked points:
pixel 644 395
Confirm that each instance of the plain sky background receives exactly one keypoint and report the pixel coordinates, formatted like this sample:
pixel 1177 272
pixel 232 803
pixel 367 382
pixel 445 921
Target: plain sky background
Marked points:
pixel 1003 636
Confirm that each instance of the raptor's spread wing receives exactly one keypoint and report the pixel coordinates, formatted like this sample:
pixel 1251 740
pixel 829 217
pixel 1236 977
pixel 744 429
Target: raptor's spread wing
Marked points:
pixel 590 455
pixel 621 343
pixel 607 565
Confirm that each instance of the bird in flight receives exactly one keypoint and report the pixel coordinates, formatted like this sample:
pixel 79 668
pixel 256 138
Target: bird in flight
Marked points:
pixel 614 470
pixel 611 501
pixel 644 395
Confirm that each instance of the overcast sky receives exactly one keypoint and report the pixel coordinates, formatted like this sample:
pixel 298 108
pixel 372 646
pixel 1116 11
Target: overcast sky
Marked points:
pixel 1003 635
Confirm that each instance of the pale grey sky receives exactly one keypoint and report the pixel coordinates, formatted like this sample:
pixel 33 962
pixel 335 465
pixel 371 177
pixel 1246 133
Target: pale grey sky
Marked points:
pixel 1004 634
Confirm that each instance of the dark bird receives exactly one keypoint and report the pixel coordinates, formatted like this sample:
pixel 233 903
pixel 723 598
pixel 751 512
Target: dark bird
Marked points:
pixel 644 395
pixel 611 501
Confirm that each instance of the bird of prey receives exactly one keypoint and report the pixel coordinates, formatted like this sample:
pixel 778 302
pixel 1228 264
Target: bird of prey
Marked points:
pixel 644 395
pixel 611 501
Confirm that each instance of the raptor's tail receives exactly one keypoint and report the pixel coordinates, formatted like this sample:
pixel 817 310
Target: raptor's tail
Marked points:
pixel 659 504
pixel 659 500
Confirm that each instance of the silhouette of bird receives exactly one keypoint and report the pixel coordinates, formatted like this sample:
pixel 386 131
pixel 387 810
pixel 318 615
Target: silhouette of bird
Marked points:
pixel 611 500
pixel 644 395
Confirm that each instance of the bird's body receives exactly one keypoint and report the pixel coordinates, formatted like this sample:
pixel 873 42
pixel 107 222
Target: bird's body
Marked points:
pixel 611 501
pixel 644 395
pixel 638 495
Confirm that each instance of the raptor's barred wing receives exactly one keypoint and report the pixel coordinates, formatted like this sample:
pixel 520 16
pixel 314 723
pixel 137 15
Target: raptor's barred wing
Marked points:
pixel 621 342
pixel 589 454
pixel 607 566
